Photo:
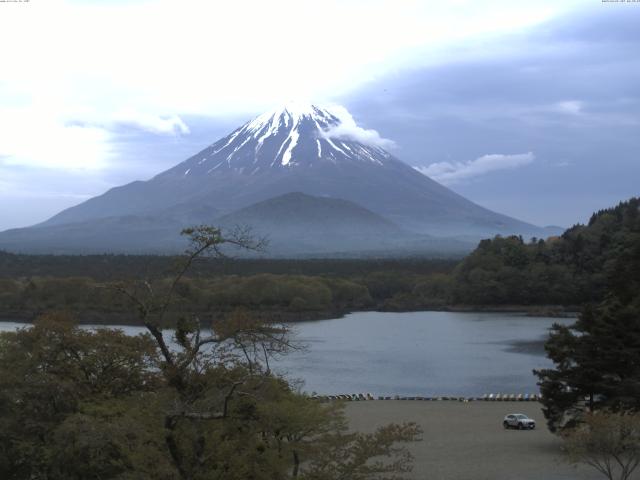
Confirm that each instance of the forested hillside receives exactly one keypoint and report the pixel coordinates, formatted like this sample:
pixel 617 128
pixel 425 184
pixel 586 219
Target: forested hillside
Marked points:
pixel 572 269
pixel 596 358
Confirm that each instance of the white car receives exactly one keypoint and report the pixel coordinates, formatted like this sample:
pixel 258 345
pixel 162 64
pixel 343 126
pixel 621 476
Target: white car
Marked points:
pixel 519 421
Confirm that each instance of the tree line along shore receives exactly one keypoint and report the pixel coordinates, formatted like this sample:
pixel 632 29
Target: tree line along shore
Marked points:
pixel 550 276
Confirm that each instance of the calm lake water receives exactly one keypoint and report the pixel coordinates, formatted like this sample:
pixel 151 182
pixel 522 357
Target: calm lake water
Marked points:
pixel 417 353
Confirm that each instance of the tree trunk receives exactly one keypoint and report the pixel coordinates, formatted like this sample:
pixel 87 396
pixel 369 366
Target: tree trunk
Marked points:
pixel 296 464
pixel 170 425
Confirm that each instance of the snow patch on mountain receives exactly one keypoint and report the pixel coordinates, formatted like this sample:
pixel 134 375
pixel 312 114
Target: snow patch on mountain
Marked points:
pixel 292 136
pixel 333 122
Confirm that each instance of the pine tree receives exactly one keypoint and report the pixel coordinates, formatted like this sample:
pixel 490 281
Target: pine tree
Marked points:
pixel 598 357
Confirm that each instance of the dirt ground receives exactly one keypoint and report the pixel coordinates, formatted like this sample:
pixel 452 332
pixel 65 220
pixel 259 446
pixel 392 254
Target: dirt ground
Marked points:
pixel 466 441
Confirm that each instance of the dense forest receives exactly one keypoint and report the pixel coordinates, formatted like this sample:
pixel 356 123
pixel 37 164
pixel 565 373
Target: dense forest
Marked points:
pixel 504 272
pixel 118 267
pixel 572 269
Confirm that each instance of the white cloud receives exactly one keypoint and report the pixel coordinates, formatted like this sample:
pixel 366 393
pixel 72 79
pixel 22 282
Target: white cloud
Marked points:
pixel 33 137
pixel 569 107
pixel 449 173
pixel 43 136
pixel 72 70
pixel 127 117
pixel 171 125
pixel 203 57
pixel 348 129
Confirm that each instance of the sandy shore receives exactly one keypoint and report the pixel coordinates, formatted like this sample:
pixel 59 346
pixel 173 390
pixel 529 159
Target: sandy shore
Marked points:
pixel 466 441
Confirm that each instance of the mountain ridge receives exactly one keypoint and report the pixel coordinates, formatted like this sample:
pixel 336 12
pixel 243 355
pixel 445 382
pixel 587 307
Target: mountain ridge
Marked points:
pixel 293 150
pixel 295 224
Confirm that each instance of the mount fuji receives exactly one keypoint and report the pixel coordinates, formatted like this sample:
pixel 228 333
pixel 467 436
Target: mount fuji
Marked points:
pixel 337 170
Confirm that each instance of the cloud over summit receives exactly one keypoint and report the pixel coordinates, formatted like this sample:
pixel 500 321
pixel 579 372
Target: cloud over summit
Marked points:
pixel 349 129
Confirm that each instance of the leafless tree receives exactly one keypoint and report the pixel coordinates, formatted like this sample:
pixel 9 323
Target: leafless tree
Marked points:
pixel 608 442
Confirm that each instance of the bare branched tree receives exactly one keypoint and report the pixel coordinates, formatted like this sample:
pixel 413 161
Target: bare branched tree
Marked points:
pixel 226 415
pixel 152 306
pixel 238 340
pixel 608 442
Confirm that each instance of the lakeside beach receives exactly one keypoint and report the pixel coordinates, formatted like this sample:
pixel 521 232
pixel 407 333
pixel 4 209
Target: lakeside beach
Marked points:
pixel 466 441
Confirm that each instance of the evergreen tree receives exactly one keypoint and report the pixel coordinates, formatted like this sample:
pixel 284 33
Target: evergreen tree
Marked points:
pixel 598 357
pixel 597 364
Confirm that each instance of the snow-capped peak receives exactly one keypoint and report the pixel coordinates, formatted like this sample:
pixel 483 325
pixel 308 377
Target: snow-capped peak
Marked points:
pixel 291 118
pixel 293 135
pixel 291 115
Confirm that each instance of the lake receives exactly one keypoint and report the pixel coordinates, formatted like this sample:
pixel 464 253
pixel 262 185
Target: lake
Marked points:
pixel 415 353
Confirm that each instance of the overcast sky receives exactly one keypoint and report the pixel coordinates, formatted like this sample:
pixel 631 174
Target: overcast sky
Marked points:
pixel 529 108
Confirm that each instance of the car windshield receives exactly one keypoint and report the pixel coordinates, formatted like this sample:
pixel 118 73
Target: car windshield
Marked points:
pixel 521 416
